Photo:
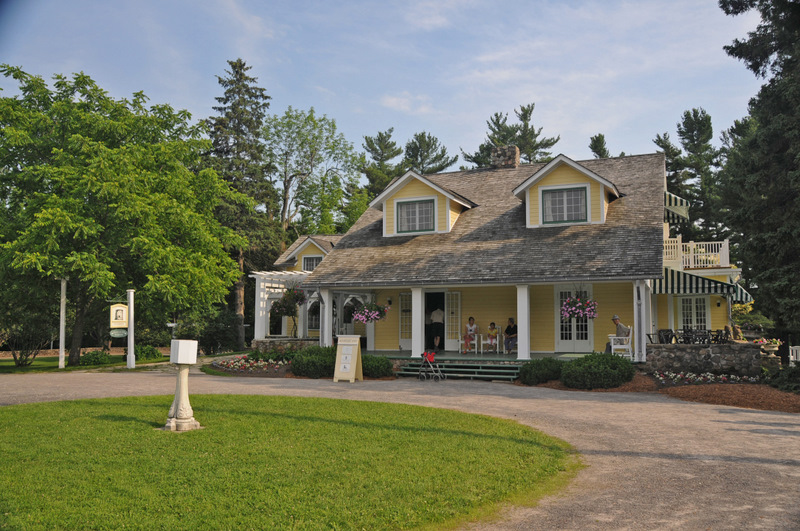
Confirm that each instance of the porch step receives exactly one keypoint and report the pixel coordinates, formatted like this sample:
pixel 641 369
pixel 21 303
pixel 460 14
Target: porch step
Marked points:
pixel 472 371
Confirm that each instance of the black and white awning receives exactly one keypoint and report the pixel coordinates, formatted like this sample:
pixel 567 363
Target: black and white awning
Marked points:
pixel 681 283
pixel 676 208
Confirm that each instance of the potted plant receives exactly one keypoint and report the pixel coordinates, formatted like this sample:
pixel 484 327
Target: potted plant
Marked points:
pixel 578 307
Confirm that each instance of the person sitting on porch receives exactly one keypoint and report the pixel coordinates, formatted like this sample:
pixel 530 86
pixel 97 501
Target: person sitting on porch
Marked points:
pixel 491 335
pixel 511 335
pixel 621 331
pixel 437 327
pixel 472 331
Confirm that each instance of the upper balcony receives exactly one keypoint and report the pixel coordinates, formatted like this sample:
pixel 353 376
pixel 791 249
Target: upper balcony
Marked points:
pixel 692 255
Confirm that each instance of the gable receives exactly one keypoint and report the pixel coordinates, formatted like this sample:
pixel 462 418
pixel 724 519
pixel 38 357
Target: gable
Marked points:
pixel 431 208
pixel 564 180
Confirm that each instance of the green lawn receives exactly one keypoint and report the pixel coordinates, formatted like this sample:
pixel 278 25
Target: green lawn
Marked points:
pixel 266 463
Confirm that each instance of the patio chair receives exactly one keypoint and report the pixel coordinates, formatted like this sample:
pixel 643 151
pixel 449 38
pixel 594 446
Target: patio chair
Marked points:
pixel 794 355
pixel 621 345
pixel 666 336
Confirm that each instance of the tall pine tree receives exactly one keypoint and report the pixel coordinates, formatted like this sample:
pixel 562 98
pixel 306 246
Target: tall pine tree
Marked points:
pixel 239 156
pixel 425 154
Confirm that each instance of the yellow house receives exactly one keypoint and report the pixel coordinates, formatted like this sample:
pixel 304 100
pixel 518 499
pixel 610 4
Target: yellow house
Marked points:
pixel 516 241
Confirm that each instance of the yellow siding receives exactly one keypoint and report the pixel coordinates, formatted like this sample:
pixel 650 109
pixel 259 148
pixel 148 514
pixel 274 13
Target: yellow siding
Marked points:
pixel 310 250
pixel 719 314
pixel 488 304
pixel 564 176
pixel 542 319
pixel 387 330
pixel 455 210
pixel 414 189
pixel 662 302
pixel 612 298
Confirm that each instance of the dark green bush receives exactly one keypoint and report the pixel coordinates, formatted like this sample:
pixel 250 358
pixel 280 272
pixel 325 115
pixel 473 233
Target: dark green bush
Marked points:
pixel 96 357
pixel 376 366
pixel 144 352
pixel 787 379
pixel 597 370
pixel 313 366
pixel 539 371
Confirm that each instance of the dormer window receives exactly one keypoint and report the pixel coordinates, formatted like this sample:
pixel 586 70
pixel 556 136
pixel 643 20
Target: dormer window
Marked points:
pixel 566 205
pixel 311 262
pixel 415 216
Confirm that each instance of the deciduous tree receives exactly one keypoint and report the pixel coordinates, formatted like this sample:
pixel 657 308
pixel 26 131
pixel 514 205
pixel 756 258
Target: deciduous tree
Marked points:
pixel 100 191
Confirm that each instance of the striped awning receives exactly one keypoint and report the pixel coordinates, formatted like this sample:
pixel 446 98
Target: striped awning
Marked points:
pixel 675 208
pixel 681 283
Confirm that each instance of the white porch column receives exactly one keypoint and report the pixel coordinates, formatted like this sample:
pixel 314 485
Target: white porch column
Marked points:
pixel 302 313
pixel 417 322
pixel 267 316
pixel 640 319
pixel 371 326
pixel 326 318
pixel 261 319
pixel 523 322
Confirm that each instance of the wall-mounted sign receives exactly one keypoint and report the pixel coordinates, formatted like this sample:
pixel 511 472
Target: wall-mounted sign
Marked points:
pixel 348 359
pixel 119 316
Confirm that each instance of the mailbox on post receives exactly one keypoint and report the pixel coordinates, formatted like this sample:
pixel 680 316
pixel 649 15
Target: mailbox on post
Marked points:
pixel 183 352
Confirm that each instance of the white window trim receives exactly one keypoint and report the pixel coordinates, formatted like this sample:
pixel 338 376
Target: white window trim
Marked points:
pixel 588 190
pixel 303 265
pixel 397 202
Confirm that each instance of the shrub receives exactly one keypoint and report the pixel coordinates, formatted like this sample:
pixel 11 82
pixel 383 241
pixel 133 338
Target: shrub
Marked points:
pixel 787 379
pixel 376 366
pixel 96 357
pixel 143 352
pixel 313 366
pixel 274 355
pixel 597 370
pixel 539 371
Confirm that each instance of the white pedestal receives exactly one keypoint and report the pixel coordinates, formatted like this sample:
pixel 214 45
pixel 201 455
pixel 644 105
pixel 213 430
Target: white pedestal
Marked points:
pixel 181 416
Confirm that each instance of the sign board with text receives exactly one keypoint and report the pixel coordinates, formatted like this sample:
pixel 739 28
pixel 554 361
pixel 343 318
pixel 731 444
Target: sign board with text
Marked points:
pixel 348 359
pixel 119 316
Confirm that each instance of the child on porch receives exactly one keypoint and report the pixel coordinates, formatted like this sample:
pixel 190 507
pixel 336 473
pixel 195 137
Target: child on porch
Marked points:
pixel 472 330
pixel 491 335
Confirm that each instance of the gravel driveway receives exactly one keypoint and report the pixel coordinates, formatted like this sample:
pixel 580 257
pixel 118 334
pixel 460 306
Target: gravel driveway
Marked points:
pixel 653 462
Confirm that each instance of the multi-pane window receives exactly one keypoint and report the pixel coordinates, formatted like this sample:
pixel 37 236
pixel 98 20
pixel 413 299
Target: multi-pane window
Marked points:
pixel 694 313
pixel 415 216
pixel 310 262
pixel 564 206
pixel 313 316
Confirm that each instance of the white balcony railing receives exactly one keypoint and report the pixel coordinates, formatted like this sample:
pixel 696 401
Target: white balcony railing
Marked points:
pixel 696 255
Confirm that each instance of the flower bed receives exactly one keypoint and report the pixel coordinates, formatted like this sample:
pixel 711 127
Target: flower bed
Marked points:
pixel 690 378
pixel 243 364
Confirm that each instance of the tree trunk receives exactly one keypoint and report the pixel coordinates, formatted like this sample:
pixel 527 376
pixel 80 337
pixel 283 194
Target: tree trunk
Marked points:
pixel 77 330
pixel 238 302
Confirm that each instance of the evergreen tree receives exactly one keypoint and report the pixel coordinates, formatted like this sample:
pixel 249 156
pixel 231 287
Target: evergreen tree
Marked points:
pixel 425 154
pixel 597 144
pixel 760 184
pixel 532 146
pixel 239 156
pixel 380 171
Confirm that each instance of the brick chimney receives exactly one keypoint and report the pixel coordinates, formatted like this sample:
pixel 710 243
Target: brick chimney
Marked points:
pixel 505 157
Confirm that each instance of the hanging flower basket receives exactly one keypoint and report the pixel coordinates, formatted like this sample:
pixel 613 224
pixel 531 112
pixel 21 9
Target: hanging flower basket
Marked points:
pixel 370 312
pixel 578 307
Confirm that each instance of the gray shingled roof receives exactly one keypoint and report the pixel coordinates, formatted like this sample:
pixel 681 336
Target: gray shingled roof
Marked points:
pixel 489 244
pixel 326 242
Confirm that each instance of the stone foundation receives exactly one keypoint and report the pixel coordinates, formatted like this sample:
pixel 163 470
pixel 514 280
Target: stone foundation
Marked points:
pixel 743 359
pixel 283 343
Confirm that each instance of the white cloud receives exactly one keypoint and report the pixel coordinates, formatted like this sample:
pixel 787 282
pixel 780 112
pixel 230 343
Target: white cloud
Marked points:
pixel 405 102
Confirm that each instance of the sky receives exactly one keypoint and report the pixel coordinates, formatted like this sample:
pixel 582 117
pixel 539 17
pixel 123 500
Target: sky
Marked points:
pixel 627 69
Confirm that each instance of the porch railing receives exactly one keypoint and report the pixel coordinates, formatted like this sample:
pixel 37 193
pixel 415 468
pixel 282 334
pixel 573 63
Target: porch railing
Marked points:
pixel 696 255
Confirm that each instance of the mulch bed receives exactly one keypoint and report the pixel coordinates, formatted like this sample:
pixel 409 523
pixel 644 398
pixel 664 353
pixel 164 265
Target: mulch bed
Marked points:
pixel 751 396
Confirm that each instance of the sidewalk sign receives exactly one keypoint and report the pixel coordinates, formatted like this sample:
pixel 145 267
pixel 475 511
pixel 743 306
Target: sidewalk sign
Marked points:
pixel 348 359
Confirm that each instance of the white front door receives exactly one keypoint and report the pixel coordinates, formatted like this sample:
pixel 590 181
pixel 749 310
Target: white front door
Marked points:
pixel 405 321
pixel 574 334
pixel 452 319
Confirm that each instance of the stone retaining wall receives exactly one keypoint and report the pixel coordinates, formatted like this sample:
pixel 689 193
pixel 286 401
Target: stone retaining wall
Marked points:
pixel 743 359
pixel 283 343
